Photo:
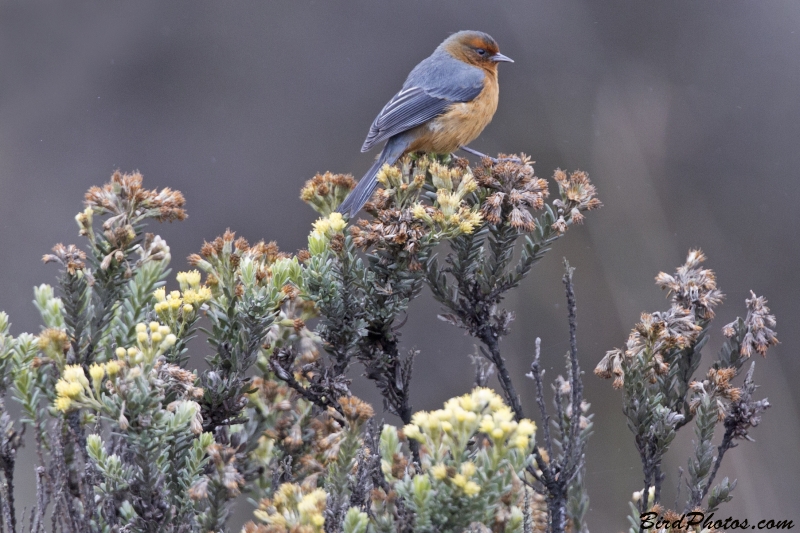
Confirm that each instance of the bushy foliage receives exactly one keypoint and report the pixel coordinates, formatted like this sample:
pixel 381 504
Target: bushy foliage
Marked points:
pixel 130 438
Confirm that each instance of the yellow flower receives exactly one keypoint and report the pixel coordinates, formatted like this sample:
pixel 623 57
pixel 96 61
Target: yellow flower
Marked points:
pixel 412 431
pixel 487 424
pixel 439 471
pixel 468 184
pixel 74 373
pixel 497 404
pixel 191 278
pixel 337 222
pixel 468 469
pixel 97 372
pixel 196 296
pixel 141 337
pixel 156 336
pixel 467 402
pixel 68 389
pixel 141 328
pixel 154 326
pixel 521 442
pixel 420 418
pixel 160 294
pixel 63 404
pixel 323 225
pixel 61 387
pixel 187 308
pixel 459 480
pixel 388 176
pixel 120 352
pixel 471 488
pixel 112 367
pixel 526 427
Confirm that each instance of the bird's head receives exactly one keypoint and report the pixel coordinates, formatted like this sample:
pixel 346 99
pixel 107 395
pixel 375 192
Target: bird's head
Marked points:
pixel 476 48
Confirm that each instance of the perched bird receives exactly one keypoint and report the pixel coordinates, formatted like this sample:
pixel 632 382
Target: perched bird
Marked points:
pixel 444 104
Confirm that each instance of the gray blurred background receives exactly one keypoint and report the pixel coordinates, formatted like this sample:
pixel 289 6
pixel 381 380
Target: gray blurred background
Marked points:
pixel 685 113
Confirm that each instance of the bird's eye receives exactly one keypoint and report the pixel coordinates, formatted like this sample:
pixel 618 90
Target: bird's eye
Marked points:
pixel 481 51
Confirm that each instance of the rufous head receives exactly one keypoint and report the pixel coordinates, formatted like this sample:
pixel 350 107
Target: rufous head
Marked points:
pixel 476 48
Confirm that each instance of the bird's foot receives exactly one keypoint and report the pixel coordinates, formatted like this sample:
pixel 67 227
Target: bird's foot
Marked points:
pixel 493 159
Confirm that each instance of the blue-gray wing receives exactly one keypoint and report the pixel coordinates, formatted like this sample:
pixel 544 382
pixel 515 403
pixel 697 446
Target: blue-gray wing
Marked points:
pixel 430 88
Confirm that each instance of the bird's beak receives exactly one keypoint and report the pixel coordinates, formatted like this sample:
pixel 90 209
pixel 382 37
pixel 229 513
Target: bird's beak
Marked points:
pixel 498 57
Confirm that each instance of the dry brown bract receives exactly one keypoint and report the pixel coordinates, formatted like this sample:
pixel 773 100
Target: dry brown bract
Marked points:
pixel 391 228
pixel 70 257
pixel 758 323
pixel 693 287
pixel 516 191
pixel 124 197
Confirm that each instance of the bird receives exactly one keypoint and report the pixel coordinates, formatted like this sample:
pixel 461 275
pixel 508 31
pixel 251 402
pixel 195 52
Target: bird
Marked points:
pixel 444 104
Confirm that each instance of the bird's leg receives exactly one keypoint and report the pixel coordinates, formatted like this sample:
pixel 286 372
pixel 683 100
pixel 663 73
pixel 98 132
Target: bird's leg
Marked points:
pixel 494 159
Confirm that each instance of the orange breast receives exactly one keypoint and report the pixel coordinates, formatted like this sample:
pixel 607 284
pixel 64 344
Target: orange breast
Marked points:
pixel 460 124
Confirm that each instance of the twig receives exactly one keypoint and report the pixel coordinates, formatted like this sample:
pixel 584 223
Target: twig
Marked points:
pixel 536 375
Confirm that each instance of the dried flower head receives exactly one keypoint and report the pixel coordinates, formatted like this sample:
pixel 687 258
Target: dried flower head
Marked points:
pixel 128 202
pixel 693 287
pixel 515 191
pixel 54 342
pixel 611 367
pixel 402 223
pixel 324 192
pixel 759 334
pixel 70 257
pixel 356 411
pixel 717 388
pixel 745 412
pixel 578 194
pixel 223 459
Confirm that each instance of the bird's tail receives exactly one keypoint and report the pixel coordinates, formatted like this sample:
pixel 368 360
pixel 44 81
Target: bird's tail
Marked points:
pixel 363 191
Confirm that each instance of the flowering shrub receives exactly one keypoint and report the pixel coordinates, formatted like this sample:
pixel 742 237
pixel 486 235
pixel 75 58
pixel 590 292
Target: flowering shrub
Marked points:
pixel 129 438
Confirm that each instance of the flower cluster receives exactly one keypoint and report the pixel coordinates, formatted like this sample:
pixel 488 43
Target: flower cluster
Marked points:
pixel 54 343
pixel 513 191
pixel 183 304
pixel 449 214
pixel 152 340
pixel 229 262
pixel 471 453
pixel 324 230
pixel 324 192
pixel 294 508
pixel 758 324
pixel 403 223
pixel 693 287
pixel 651 339
pixel 659 335
pixel 70 257
pixel 578 194
pixel 718 387
pixel 124 197
pixel 449 430
pixel 72 386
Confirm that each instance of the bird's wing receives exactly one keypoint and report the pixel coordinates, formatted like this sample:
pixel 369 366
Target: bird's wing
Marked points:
pixel 424 97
